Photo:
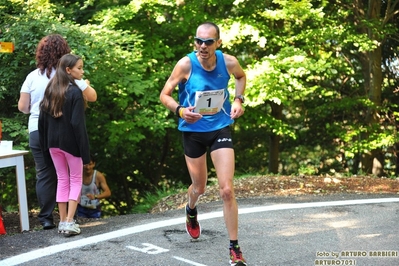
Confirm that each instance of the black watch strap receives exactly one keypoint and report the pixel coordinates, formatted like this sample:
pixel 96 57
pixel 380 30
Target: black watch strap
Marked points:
pixel 177 110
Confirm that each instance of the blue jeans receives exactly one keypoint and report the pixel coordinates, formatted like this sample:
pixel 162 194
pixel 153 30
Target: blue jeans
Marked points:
pixel 88 213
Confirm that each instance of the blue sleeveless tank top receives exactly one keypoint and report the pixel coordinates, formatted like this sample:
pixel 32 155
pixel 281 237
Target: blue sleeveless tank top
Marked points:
pixel 203 80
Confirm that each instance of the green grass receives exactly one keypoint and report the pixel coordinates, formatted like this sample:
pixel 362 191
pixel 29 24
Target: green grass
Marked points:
pixel 149 200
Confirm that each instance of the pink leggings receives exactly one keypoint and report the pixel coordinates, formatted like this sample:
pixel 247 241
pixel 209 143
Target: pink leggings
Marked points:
pixel 69 173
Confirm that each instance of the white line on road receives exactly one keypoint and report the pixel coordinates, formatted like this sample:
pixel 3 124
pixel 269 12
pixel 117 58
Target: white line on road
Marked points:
pixel 35 254
pixel 189 261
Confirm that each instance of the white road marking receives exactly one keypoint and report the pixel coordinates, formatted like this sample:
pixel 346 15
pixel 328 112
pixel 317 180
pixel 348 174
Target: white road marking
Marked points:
pixel 189 261
pixel 38 253
pixel 150 249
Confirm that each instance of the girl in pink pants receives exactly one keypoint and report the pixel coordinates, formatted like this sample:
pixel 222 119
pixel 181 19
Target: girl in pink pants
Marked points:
pixel 63 134
pixel 69 173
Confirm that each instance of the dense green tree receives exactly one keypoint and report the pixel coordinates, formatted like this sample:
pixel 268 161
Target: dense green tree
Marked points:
pixel 113 64
pixel 311 83
pixel 314 75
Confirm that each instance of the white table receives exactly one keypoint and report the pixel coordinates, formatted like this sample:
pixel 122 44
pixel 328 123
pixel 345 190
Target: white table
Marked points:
pixel 16 158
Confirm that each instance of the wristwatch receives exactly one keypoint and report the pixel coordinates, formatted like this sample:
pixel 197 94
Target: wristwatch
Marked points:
pixel 95 196
pixel 241 97
pixel 177 110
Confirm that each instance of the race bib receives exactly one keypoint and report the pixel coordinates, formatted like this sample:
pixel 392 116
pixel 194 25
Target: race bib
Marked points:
pixel 209 102
pixel 88 203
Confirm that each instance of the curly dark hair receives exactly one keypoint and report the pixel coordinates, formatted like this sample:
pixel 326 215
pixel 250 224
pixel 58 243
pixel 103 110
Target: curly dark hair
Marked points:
pixel 49 51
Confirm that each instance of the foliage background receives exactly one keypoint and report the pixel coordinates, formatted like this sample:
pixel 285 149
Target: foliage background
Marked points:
pixel 308 97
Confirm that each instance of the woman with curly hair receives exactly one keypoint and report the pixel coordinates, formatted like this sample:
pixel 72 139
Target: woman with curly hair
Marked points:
pixel 48 52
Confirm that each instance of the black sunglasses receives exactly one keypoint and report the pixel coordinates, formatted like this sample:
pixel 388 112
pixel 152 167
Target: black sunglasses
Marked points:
pixel 207 42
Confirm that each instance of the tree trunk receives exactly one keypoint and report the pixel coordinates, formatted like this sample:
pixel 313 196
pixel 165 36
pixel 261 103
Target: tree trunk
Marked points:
pixel 373 162
pixel 274 152
pixel 396 153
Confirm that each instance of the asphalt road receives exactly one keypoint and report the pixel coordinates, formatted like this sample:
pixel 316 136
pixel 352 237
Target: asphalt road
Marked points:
pixel 302 230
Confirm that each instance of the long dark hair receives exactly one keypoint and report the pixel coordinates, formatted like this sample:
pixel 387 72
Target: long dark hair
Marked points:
pixel 54 96
pixel 49 51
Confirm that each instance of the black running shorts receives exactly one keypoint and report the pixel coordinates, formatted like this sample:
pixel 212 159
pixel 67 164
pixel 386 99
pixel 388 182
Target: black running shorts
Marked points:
pixel 196 143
